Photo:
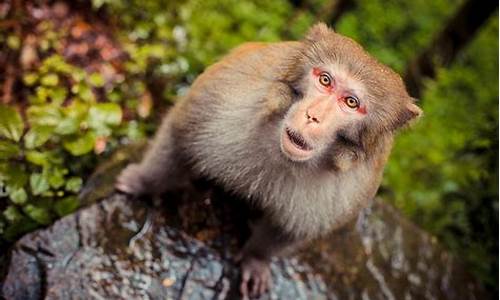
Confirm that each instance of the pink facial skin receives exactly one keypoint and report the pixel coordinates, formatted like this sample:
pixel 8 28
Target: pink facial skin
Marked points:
pixel 310 123
pixel 333 89
pixel 362 110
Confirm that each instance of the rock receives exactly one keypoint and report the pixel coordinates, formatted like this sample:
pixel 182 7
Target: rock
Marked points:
pixel 182 248
pixel 120 248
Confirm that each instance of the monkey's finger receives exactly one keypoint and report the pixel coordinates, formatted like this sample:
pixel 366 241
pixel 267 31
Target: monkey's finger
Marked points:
pixel 123 183
pixel 122 188
pixel 256 281
pixel 264 286
pixel 245 277
pixel 244 290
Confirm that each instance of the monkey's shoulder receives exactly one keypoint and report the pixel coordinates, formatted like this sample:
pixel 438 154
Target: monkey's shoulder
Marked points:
pixel 253 61
pixel 250 49
pixel 241 79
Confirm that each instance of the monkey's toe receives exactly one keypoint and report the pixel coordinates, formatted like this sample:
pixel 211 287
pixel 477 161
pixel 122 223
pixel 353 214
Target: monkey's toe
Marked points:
pixel 255 277
pixel 130 181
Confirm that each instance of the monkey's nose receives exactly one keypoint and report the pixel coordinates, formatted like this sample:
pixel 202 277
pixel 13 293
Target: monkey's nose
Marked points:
pixel 311 118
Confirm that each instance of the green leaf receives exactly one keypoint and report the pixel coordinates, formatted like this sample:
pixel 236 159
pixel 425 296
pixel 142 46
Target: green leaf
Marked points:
pixel 39 183
pixel 12 214
pixel 74 184
pixel 77 109
pixel 57 63
pixel 55 157
pixel 68 126
pixel 133 130
pixel 102 115
pixel 66 205
pixel 78 75
pixel 74 115
pixel 39 214
pixel 30 79
pixel 20 226
pixel 96 80
pixel 13 42
pixel 11 123
pixel 56 178
pixel 81 144
pixel 50 80
pixel 18 196
pixel 13 175
pixel 44 115
pixel 38 158
pixel 42 93
pixel 8 149
pixel 58 95
pixel 37 136
pixel 84 92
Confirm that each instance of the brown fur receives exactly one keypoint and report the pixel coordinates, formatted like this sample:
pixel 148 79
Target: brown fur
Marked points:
pixel 227 129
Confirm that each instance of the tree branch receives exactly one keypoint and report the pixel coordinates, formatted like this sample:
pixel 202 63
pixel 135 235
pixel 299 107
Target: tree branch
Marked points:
pixel 456 34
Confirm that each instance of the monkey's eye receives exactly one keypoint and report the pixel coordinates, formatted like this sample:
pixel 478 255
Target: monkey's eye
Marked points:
pixel 325 79
pixel 351 102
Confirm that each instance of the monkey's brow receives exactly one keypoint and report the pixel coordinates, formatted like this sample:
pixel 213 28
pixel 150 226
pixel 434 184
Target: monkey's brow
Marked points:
pixel 317 54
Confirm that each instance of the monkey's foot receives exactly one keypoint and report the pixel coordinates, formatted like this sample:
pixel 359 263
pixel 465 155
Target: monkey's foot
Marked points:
pixel 255 277
pixel 130 181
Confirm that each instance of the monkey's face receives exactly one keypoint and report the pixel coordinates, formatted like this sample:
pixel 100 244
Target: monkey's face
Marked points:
pixel 331 101
pixel 344 95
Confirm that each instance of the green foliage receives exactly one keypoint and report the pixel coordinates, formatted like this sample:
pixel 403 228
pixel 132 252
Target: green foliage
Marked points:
pixel 393 30
pixel 65 120
pixel 11 124
pixel 250 20
pixel 444 172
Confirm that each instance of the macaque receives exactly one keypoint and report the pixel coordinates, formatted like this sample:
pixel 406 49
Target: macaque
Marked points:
pixel 301 129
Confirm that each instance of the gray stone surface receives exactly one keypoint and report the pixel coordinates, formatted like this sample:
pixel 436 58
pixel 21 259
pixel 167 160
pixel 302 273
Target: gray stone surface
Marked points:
pixel 121 249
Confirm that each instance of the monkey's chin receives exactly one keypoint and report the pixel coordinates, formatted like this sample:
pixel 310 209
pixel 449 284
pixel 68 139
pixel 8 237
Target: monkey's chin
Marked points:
pixel 293 151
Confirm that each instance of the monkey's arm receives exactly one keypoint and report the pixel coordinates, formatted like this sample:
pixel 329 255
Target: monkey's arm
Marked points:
pixel 266 241
pixel 159 164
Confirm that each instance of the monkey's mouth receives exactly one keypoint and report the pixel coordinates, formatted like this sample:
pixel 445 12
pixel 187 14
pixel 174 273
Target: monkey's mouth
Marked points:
pixel 298 140
pixel 295 146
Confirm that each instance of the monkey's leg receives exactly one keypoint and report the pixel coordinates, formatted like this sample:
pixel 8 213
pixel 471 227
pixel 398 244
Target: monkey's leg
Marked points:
pixel 265 242
pixel 151 176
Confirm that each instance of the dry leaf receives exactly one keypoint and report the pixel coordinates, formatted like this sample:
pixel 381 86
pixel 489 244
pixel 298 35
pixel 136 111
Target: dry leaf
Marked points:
pixel 145 105
pixel 29 54
pixel 168 282
pixel 79 29
pixel 100 144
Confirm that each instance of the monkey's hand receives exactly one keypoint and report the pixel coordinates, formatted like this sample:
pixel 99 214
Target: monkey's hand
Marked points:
pixel 255 276
pixel 131 181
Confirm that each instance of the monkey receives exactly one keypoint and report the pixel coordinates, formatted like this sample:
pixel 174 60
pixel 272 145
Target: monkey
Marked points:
pixel 301 129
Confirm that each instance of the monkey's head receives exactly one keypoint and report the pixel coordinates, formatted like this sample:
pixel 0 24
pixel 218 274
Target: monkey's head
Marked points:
pixel 343 95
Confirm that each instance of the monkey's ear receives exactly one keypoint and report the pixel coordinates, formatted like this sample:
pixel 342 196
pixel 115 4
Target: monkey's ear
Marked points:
pixel 410 112
pixel 318 32
pixel 415 111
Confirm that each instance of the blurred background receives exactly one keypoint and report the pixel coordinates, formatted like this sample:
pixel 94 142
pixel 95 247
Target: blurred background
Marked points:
pixel 79 79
